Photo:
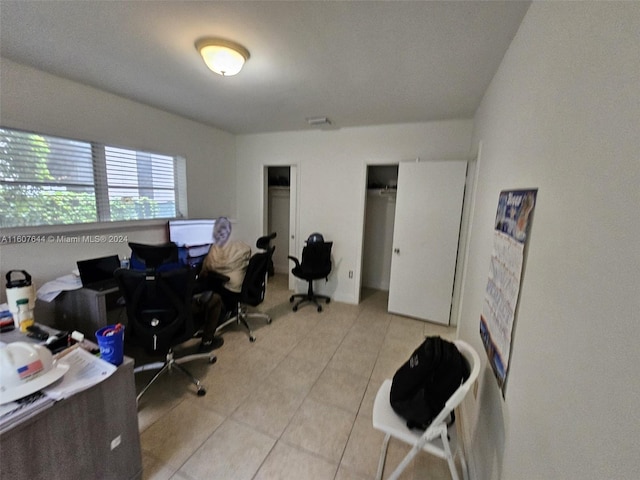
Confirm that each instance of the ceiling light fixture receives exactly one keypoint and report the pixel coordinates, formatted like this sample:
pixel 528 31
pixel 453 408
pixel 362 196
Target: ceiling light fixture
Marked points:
pixel 223 57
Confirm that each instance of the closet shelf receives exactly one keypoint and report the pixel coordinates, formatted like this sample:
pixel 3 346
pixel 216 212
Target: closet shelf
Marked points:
pixel 383 192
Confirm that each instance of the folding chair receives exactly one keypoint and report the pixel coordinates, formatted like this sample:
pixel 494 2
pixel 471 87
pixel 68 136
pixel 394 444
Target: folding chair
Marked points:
pixel 437 439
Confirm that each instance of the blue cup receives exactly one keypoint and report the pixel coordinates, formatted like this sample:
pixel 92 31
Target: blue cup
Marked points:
pixel 111 342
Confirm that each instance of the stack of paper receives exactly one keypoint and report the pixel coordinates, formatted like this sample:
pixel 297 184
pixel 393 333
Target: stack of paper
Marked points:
pixel 52 289
pixel 13 413
pixel 85 370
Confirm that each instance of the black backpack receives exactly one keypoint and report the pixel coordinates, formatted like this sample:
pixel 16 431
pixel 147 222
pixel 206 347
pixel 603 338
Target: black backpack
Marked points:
pixel 421 386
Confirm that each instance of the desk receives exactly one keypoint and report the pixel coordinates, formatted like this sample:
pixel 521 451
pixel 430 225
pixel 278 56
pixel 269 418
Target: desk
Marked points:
pixel 90 435
pixel 87 310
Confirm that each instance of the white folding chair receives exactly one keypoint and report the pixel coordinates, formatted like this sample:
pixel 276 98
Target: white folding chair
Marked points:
pixel 437 439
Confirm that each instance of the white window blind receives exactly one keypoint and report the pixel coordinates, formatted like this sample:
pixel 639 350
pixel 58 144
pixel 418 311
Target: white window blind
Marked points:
pixel 46 180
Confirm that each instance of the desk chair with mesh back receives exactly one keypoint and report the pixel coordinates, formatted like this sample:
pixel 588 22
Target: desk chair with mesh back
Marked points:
pixel 253 288
pixel 158 305
pixel 316 264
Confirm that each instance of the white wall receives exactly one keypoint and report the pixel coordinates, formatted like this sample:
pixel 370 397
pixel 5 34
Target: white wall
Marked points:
pixel 562 114
pixel 34 100
pixel 332 181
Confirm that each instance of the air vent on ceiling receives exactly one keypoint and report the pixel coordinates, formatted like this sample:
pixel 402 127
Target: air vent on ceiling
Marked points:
pixel 318 121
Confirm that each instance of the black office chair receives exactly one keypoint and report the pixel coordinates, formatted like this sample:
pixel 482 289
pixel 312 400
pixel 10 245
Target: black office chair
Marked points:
pixel 316 264
pixel 162 256
pixel 158 305
pixel 253 289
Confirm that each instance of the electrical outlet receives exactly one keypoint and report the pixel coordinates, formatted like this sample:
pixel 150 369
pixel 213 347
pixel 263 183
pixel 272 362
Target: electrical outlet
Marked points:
pixel 350 273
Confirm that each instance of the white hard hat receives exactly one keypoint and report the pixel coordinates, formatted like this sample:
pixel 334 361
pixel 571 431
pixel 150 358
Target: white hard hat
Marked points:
pixel 26 368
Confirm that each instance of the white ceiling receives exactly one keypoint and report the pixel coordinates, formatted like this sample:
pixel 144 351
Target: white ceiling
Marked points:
pixel 357 62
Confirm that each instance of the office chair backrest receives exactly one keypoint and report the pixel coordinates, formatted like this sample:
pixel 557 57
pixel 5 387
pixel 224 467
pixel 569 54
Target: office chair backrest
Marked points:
pixel 158 306
pixel 255 278
pixel 316 259
pixel 154 257
pixel 264 243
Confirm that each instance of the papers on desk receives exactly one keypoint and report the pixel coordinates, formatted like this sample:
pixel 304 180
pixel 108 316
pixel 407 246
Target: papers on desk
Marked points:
pixel 85 370
pixel 13 413
pixel 52 289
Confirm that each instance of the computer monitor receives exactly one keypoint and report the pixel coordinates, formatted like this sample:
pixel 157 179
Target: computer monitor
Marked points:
pixel 189 233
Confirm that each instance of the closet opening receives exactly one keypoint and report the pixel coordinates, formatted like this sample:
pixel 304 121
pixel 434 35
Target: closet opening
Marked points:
pixel 380 209
pixel 278 214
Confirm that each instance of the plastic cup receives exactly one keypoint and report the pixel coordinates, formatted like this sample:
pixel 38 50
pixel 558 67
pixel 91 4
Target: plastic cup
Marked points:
pixel 111 342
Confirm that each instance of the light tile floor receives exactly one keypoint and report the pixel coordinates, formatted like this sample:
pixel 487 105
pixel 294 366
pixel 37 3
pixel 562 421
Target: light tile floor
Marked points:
pixel 296 404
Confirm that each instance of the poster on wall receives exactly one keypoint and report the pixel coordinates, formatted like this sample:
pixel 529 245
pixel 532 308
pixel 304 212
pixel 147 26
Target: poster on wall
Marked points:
pixel 511 231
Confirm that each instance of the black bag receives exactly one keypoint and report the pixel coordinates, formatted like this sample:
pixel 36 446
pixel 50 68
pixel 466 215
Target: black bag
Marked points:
pixel 421 386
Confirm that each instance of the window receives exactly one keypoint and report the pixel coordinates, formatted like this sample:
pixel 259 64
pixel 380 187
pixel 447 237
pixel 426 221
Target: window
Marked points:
pixel 46 180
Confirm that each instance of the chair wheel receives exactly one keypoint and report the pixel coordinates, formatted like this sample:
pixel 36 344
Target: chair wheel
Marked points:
pixel 213 360
pixel 319 308
pixel 202 392
pixel 328 300
pixel 269 320
pixel 252 339
pixel 295 309
pixel 291 299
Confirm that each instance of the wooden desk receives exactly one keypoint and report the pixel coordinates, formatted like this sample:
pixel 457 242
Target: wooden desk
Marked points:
pixel 90 435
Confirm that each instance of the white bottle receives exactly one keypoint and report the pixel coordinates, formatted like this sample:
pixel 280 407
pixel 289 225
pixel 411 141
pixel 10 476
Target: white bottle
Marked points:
pixel 25 315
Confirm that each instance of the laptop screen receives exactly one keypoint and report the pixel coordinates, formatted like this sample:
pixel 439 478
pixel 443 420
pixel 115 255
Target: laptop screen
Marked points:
pixel 98 270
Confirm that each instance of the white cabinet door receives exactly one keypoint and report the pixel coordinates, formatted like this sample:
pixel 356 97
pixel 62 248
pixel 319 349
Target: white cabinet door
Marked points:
pixel 425 238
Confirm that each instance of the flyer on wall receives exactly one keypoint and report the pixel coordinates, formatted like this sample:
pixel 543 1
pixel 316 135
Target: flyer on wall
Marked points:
pixel 511 232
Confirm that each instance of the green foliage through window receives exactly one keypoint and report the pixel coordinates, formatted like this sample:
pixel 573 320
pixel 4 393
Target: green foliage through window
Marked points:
pixel 47 180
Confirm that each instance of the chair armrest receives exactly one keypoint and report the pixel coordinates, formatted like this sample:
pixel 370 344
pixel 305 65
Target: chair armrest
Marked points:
pixel 211 280
pixel 297 262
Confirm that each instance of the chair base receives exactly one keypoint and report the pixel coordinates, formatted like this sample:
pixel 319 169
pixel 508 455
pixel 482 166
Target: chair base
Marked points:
pixel 240 318
pixel 309 297
pixel 171 363
pixel 304 299
pixel 446 453
pixel 437 440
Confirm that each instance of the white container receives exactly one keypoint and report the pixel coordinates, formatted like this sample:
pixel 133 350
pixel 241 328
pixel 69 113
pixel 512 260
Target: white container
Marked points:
pixel 19 289
pixel 24 318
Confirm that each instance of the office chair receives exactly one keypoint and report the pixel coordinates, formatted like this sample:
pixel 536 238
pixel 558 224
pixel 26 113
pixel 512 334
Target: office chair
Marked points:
pixel 438 439
pixel 154 257
pixel 316 264
pixel 158 306
pixel 253 288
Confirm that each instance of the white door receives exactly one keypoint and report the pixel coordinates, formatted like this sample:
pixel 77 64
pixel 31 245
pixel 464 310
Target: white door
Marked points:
pixel 293 220
pixel 425 239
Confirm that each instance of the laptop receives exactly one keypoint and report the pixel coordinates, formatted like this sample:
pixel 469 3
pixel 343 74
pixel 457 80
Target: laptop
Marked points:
pixel 97 273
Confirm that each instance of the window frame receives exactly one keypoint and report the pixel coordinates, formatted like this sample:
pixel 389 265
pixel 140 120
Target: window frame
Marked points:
pixel 10 235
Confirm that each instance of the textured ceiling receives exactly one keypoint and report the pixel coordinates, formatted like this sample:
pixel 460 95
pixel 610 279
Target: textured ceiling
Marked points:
pixel 356 62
